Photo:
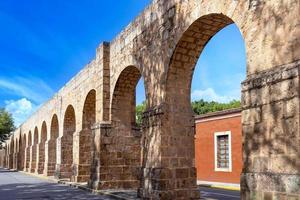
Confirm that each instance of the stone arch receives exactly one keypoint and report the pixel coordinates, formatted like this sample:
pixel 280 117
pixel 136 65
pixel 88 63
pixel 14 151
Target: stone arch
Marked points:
pixel 89 110
pixel 28 151
pixel 123 97
pixel 15 155
pixel 23 152
pixel 82 164
pixel 177 155
pixel 69 128
pixel 11 153
pixel 126 136
pixel 33 153
pixel 51 147
pixel 41 148
pixel 17 142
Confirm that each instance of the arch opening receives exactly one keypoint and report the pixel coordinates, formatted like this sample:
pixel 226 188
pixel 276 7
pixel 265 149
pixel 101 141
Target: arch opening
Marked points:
pixel 51 147
pixel 69 128
pixel 23 153
pixel 33 153
pixel 11 154
pixel 82 164
pixel 126 131
pixel 180 126
pixel 41 149
pixel 28 151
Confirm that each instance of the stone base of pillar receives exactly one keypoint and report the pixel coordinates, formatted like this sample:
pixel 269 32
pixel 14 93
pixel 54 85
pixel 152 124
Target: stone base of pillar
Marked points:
pixel 107 185
pixel 32 167
pixel 63 171
pixel 40 168
pixel 270 186
pixel 15 161
pixel 166 183
pixel 80 179
pixel 81 173
pixel 49 169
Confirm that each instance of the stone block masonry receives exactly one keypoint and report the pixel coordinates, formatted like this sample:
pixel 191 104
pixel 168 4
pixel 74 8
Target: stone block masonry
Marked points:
pixel 90 128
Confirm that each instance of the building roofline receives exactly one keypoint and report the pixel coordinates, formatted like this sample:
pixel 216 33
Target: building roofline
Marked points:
pixel 222 113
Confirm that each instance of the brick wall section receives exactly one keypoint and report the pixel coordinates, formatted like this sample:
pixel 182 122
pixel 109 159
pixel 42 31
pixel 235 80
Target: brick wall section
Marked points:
pixel 204 147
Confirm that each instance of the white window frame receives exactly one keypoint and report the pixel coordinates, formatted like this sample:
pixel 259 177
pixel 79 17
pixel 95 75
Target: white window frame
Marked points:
pixel 229 169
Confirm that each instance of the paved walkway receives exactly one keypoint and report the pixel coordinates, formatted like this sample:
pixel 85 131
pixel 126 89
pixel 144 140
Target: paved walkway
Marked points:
pixel 17 185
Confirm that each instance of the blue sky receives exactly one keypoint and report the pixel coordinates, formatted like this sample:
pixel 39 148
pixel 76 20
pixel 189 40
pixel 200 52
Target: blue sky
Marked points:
pixel 45 43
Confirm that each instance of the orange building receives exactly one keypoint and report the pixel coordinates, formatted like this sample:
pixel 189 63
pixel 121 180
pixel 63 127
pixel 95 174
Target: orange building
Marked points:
pixel 218 146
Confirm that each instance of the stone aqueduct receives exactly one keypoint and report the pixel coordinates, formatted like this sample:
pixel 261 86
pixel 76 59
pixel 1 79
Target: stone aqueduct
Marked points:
pixel 87 131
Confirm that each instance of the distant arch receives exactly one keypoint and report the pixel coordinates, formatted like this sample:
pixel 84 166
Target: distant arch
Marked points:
pixel 126 130
pixel 41 148
pixel 69 127
pixel 83 164
pixel 51 147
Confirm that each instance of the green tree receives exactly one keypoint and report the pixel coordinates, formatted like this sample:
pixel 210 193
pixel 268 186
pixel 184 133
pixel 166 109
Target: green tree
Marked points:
pixel 199 107
pixel 203 107
pixel 139 112
pixel 6 125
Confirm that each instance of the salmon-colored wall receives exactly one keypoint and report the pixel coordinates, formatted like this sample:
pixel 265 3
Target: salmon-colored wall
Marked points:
pixel 204 147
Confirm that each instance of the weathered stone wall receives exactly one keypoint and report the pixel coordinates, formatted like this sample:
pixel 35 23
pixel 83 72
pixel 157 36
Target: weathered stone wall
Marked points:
pixel 2 158
pixel 271 134
pixel 163 45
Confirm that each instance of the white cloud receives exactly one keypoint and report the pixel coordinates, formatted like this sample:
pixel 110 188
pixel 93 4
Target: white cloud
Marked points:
pixel 209 94
pixel 20 109
pixel 31 88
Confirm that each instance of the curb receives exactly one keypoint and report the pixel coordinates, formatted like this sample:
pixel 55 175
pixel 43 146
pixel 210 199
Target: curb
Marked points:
pixel 74 185
pixel 221 187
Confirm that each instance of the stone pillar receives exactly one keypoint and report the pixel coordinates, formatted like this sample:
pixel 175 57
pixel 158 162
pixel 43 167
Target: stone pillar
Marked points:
pixel 97 130
pixel 168 170
pixel 116 159
pixel 40 163
pixel 4 160
pixel 32 164
pixel 64 157
pixel 27 160
pixel 50 158
pixel 15 160
pixel 271 139
pixel 11 161
pixel 82 161
pixel 21 157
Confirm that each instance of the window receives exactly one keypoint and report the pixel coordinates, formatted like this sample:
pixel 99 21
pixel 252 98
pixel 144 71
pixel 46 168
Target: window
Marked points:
pixel 223 151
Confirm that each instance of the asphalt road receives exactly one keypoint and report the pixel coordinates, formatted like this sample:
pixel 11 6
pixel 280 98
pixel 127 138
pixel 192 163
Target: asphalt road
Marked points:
pixel 17 186
pixel 219 194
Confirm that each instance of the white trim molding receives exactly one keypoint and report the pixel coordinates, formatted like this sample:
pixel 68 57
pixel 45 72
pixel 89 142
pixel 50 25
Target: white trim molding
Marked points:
pixel 217 169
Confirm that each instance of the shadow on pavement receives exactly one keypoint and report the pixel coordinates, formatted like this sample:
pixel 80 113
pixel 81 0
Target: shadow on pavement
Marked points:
pixel 44 191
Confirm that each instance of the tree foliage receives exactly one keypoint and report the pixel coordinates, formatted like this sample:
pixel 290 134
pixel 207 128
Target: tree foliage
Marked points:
pixel 202 107
pixel 6 125
pixel 199 107
pixel 139 112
